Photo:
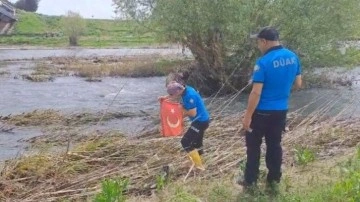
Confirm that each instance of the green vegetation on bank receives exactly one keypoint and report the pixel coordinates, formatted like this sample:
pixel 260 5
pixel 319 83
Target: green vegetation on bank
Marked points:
pixel 343 185
pixel 217 33
pixel 40 30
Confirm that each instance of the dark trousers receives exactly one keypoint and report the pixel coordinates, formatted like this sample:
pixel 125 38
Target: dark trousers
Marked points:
pixel 268 124
pixel 193 138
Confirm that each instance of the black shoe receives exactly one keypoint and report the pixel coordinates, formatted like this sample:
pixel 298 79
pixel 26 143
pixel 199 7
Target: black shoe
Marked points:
pixel 272 188
pixel 247 186
pixel 242 182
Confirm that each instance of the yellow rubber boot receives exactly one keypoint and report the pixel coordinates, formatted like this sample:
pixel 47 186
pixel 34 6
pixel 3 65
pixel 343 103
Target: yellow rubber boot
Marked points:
pixel 196 159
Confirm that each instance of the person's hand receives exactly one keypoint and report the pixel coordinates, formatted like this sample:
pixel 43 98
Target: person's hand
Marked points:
pixel 246 121
pixel 185 114
pixel 161 98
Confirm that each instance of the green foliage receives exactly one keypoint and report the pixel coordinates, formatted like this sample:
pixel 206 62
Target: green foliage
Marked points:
pixel 29 23
pixel 242 166
pixel 303 156
pixel 305 26
pixel 334 58
pixel 220 193
pixel 53 23
pixel 182 195
pixel 112 190
pixel 349 187
pixel 217 32
pixel 160 182
pixel 36 29
pixel 346 187
pixel 74 25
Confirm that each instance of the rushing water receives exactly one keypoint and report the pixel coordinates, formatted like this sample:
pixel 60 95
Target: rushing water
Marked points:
pixel 75 95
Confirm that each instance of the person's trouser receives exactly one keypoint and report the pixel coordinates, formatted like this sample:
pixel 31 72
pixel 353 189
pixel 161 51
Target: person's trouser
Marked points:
pixel 193 138
pixel 269 124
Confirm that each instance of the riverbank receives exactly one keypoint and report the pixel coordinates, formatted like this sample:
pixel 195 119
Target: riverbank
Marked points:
pixel 41 84
pixel 38 47
pixel 34 29
pixel 311 150
pixel 78 133
pixel 90 83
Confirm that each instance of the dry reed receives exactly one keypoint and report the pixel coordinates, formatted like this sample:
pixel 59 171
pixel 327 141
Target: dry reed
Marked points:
pixel 141 159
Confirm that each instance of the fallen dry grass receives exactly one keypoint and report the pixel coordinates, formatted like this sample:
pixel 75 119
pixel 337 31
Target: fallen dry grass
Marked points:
pixel 58 128
pixel 95 67
pixel 34 118
pixel 54 117
pixel 76 175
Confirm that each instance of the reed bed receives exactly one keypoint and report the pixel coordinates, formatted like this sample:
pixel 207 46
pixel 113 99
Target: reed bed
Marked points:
pixel 76 174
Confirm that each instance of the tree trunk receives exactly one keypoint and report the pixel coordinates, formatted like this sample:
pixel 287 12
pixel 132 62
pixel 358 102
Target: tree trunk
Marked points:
pixel 214 72
pixel 73 41
pixel 209 73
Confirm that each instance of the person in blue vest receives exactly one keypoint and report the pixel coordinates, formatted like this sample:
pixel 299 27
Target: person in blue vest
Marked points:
pixel 275 73
pixel 195 109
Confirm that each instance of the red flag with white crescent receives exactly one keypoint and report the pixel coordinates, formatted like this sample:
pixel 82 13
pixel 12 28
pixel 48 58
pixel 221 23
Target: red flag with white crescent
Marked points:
pixel 171 117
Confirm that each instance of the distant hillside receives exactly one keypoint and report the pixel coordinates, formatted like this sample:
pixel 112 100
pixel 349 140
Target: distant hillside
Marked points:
pixel 41 30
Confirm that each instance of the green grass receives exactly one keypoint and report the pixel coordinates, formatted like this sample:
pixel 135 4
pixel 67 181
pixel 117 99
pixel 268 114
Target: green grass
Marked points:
pixel 112 190
pixel 30 23
pixel 344 185
pixel 325 181
pixel 32 30
pixel 303 156
pixel 345 188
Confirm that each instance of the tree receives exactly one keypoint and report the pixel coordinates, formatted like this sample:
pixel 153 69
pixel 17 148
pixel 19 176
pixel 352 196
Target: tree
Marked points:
pixel 217 32
pixel 73 25
pixel 27 5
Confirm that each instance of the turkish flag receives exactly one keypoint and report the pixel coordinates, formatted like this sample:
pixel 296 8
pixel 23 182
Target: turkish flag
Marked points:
pixel 171 117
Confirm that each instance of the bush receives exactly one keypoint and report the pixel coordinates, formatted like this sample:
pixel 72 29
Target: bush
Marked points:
pixel 74 25
pixel 217 32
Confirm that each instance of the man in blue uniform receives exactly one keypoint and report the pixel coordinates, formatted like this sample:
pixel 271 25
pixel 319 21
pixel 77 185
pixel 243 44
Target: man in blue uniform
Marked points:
pixel 195 109
pixel 274 75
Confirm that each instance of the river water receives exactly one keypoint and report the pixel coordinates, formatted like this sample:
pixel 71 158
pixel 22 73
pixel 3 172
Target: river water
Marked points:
pixel 134 95
pixel 26 54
